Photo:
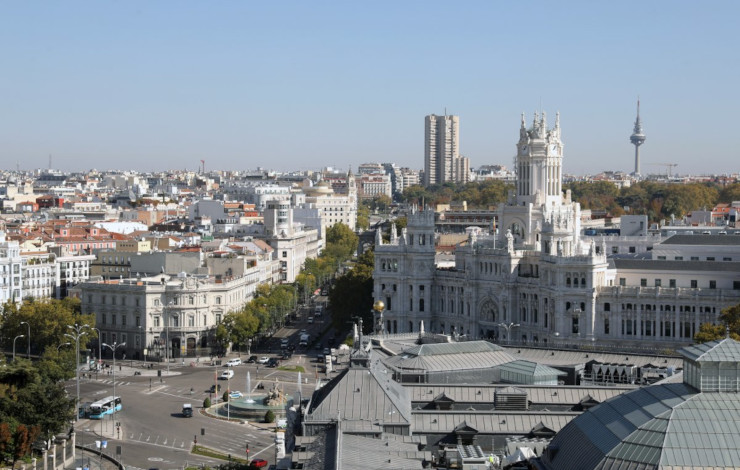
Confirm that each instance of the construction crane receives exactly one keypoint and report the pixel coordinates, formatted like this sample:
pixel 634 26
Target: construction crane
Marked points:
pixel 668 166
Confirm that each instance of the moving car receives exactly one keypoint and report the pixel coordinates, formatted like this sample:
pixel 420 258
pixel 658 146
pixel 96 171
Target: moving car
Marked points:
pixel 233 362
pixel 187 410
pixel 258 463
pixel 235 394
pixel 273 362
pixel 264 360
pixel 310 320
pixel 215 388
pixel 252 359
pixel 227 374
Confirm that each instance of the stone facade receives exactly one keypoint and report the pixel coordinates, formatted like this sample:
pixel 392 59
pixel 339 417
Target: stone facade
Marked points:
pixel 535 279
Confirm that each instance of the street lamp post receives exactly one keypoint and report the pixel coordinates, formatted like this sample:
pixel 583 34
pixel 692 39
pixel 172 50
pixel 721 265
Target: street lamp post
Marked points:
pixel 63 344
pixel 28 345
pixel 167 335
pixel 113 349
pixel 19 336
pixel 508 330
pixel 100 349
pixel 77 329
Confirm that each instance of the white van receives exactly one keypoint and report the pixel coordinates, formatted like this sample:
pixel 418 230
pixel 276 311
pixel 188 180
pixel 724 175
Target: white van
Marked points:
pixel 227 374
pixel 233 362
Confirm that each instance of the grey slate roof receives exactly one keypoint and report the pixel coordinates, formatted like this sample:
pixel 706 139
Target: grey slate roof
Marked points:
pixel 450 356
pixel 333 449
pixel 724 350
pixel 571 357
pixel 485 422
pixel 361 394
pixel 724 240
pixel 537 394
pixel 531 368
pixel 466 347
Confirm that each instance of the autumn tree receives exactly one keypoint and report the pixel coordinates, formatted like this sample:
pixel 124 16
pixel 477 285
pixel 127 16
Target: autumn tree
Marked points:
pixel 31 405
pixel 729 318
pixel 48 319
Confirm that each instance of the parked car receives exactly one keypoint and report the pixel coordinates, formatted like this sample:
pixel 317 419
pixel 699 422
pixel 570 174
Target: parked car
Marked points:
pixel 227 374
pixel 252 359
pixel 233 362
pixel 263 360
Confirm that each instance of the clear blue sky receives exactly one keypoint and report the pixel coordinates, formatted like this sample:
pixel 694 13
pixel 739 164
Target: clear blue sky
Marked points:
pixel 149 85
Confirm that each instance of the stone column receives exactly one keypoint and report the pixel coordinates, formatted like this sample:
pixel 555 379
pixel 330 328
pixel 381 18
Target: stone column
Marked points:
pixel 64 451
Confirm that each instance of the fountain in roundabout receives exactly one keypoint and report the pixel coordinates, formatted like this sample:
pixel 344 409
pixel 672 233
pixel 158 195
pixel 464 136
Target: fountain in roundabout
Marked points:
pixel 253 406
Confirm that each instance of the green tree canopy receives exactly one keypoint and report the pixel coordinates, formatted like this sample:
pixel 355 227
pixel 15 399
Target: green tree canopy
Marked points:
pixel 363 217
pixel 341 242
pixel 352 294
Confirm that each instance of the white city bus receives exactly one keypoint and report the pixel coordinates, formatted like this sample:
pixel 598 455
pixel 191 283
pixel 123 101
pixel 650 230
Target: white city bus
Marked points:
pixel 106 406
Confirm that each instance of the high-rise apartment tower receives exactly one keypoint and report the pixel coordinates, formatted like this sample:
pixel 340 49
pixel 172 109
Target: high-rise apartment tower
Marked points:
pixel 441 148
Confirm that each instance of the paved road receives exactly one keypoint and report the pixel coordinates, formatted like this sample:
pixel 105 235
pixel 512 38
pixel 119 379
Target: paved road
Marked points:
pixel 154 434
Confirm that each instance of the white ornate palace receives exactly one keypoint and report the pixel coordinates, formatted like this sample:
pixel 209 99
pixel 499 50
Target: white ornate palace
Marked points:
pixel 537 279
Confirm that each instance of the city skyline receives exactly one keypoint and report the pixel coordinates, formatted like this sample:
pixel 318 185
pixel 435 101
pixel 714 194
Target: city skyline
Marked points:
pixel 150 87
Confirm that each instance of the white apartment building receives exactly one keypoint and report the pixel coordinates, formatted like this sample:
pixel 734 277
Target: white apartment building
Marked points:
pixel 11 264
pixel 332 207
pixel 293 243
pixel 40 275
pixel 538 280
pixel 408 178
pixel 375 184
